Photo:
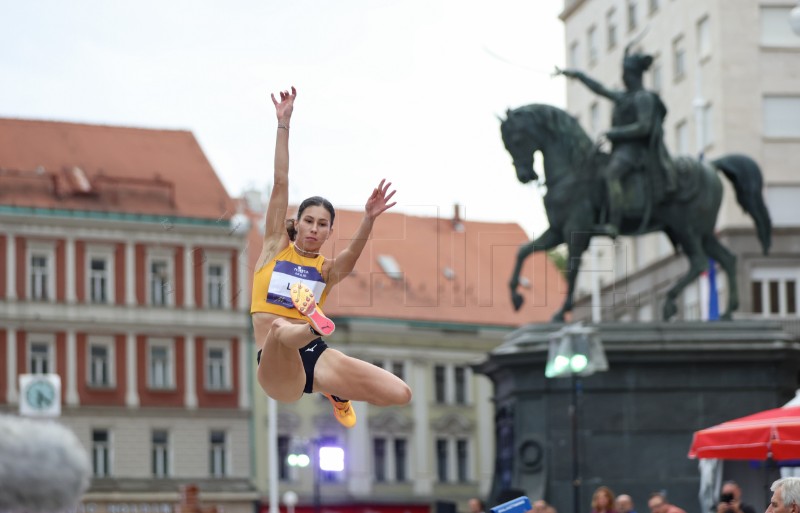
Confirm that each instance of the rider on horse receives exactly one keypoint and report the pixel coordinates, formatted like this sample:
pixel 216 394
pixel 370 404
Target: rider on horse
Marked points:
pixel 636 135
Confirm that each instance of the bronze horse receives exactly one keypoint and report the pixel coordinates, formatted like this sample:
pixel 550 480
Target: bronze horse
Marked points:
pixel 575 201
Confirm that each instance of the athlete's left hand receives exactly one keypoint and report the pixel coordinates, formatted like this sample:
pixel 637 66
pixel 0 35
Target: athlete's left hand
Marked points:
pixel 378 202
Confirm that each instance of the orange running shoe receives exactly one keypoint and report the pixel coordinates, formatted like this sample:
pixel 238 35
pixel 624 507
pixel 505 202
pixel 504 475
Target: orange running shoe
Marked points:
pixel 303 299
pixel 343 411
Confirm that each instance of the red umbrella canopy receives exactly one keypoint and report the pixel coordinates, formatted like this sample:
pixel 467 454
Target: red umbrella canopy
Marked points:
pixel 755 437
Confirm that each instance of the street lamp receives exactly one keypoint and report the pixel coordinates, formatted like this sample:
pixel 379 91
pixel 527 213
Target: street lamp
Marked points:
pixel 326 457
pixel 575 351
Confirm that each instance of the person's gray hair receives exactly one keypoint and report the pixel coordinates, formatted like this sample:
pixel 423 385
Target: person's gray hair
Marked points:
pixel 43 466
pixel 790 490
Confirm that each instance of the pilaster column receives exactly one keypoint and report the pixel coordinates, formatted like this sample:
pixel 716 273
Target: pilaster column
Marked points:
pixel 130 274
pixel 359 483
pixel 11 365
pixel 243 294
pixel 421 470
pixel 72 369
pixel 484 431
pixel 188 276
pixel 131 368
pixel 190 373
pixel 69 246
pixel 245 360
pixel 11 267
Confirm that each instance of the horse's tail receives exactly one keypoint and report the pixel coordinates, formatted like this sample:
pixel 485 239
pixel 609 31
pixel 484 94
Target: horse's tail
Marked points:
pixel 747 180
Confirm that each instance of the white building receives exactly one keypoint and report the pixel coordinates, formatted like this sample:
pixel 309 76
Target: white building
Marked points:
pixel 728 72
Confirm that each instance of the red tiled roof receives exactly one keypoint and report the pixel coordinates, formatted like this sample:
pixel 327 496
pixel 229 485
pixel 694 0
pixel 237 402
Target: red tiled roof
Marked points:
pixel 73 166
pixel 481 258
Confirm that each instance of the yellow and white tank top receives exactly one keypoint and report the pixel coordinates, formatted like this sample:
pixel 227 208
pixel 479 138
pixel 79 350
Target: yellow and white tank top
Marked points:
pixel 272 282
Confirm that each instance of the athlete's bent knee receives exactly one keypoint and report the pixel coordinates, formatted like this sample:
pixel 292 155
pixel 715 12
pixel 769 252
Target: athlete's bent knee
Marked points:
pixel 403 395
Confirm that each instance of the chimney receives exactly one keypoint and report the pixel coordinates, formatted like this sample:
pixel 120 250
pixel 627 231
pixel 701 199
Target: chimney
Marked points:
pixel 457 224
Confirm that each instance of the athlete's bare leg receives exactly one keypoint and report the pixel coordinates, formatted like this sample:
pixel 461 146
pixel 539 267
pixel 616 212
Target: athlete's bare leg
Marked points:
pixel 357 380
pixel 281 372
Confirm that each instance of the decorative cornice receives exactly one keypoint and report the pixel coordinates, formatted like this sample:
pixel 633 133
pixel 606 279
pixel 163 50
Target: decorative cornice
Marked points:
pixel 391 423
pixel 452 424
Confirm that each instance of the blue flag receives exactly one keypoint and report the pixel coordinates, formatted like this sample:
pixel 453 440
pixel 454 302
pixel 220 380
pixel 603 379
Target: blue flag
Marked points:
pixel 713 301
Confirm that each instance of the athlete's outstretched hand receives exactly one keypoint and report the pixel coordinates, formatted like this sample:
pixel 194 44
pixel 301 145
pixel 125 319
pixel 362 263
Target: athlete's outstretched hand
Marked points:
pixel 283 108
pixel 378 202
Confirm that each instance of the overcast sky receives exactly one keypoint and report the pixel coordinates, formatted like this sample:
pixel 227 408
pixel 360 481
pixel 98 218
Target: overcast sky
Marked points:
pixel 403 89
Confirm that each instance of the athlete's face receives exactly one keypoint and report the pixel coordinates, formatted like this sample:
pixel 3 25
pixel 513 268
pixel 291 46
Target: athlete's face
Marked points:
pixel 313 228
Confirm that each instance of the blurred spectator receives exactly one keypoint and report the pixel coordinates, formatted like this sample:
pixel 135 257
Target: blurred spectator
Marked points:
pixel 603 500
pixel 785 496
pixel 624 504
pixel 730 500
pixel 476 505
pixel 658 504
pixel 539 506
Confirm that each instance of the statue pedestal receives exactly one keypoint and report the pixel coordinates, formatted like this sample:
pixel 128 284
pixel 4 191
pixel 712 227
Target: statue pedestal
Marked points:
pixel 635 421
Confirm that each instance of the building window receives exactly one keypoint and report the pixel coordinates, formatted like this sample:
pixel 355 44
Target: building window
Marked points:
pixel 283 457
pixel 594 119
pixel 574 59
pixel 101 449
pixel 656 74
pixel 704 38
pixel 160 365
pixel 708 126
pixel 632 20
pixel 441 460
pixel 779 116
pixel 40 277
pixel 159 282
pixel 216 285
pixel 217 456
pixel 782 201
pixel 591 44
pixel 682 137
pixel 218 364
pixel 611 29
pixel 160 443
pixel 678 58
pixel 399 369
pixel 389 466
pixel 400 460
pixel 776 32
pixel 654 4
pixel 101 363
pixel 462 463
pixel 440 382
pixel 461 385
pixel 379 459
pixel 777 296
pixel 98 280
pixel 40 358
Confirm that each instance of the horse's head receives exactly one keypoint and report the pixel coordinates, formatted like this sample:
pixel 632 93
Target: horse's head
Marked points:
pixel 549 130
pixel 520 142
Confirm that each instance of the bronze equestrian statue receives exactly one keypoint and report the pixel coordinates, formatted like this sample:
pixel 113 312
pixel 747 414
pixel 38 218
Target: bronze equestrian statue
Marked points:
pixel 635 189
pixel 637 137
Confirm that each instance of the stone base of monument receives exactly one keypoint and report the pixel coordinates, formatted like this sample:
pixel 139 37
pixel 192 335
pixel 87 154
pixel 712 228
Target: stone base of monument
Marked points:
pixel 635 421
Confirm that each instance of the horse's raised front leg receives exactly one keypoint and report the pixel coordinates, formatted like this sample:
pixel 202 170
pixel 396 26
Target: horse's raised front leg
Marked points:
pixel 727 260
pixel 698 262
pixel 548 240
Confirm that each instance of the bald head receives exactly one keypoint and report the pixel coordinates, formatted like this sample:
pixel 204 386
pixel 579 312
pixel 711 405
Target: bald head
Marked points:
pixel 623 503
